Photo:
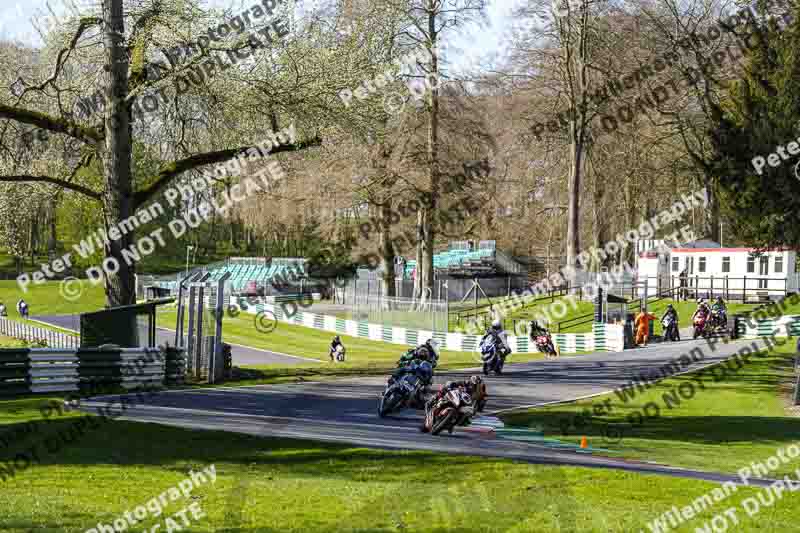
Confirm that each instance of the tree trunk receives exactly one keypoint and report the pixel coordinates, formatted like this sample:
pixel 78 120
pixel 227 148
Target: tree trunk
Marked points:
pixel 52 242
pixel 574 214
pixel 598 222
pixel 578 143
pixel 387 252
pixel 117 197
pixel 426 216
pixel 712 213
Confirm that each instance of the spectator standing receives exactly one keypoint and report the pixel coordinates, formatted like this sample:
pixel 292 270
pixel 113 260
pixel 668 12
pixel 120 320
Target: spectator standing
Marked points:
pixel 683 291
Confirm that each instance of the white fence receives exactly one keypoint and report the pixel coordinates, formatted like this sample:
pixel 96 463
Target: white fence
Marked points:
pixel 34 334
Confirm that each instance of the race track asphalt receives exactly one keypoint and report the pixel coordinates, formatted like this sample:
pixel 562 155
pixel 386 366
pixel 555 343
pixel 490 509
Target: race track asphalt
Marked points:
pixel 346 410
pixel 242 355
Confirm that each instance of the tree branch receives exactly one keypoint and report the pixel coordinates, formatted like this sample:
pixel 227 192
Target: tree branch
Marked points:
pixel 46 122
pixel 61 183
pixel 170 171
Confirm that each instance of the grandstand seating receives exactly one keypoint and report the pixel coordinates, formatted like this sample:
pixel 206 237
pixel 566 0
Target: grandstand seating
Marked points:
pixel 242 274
pixel 460 261
pixel 246 274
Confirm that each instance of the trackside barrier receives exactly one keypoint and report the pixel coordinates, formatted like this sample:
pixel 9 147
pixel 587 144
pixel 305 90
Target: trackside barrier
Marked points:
pixel 604 337
pixel 787 326
pixel 37 370
pixel 30 333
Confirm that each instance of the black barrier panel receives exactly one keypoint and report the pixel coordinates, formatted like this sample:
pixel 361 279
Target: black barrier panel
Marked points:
pixel 112 326
pixel 14 372
pixel 99 368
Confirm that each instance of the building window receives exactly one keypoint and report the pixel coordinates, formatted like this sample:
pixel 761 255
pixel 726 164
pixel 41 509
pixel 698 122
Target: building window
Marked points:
pixel 675 264
pixel 701 265
pixel 726 264
pixel 779 264
pixel 751 265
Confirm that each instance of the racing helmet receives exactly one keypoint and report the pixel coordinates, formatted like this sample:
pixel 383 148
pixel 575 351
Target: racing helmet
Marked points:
pixel 475 380
pixel 497 325
pixel 433 344
pixel 669 306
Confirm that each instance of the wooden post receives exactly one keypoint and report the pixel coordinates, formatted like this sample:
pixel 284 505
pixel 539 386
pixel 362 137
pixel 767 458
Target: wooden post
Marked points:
pixel 744 290
pixel 797 371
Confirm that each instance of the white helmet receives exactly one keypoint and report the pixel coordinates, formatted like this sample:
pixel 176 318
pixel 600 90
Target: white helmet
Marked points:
pixel 434 344
pixel 497 325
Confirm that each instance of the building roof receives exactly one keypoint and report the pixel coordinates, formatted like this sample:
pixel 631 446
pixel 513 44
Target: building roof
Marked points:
pixel 730 250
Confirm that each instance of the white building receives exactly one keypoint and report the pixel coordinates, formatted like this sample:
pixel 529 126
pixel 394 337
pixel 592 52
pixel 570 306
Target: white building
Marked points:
pixel 707 270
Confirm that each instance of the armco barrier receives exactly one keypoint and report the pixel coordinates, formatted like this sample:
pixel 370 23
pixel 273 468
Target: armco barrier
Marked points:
pixel 37 370
pixel 604 337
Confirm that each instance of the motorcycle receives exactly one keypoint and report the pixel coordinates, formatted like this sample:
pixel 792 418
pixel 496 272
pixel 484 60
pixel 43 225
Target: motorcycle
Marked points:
pixel 453 409
pixel 402 393
pixel 670 327
pixel 493 360
pixel 544 343
pixel 339 354
pixel 701 326
pixel 492 356
pixel 718 320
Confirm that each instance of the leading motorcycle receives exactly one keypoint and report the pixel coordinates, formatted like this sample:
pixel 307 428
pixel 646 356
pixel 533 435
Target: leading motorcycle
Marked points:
pixel 454 409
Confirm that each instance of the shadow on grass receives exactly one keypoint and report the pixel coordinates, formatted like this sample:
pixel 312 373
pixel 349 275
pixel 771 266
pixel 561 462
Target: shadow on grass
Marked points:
pixel 123 443
pixel 741 405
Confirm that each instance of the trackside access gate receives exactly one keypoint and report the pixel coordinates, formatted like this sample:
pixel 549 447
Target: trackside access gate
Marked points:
pixel 204 300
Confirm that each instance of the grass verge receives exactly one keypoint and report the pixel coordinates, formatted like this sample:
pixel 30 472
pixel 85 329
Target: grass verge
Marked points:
pixel 363 355
pixel 732 419
pixel 270 484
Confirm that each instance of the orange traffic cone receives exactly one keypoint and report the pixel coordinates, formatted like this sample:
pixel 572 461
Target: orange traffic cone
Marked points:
pixel 584 443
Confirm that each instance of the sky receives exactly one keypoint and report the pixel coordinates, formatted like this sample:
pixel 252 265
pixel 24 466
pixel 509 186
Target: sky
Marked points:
pixel 19 20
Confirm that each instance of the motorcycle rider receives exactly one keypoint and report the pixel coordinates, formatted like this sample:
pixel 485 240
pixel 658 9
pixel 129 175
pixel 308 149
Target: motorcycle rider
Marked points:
pixel 471 386
pixel 425 353
pixel 702 309
pixel 536 330
pixel 499 337
pixel 671 312
pixel 423 370
pixel 335 343
pixel 429 351
pixel 718 308
pixel 540 331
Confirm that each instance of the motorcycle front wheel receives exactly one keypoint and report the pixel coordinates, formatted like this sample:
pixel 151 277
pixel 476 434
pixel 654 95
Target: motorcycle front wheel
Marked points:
pixel 387 404
pixel 445 422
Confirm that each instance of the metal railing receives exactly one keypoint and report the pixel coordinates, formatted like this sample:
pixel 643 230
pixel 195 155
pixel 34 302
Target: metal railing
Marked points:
pixel 34 334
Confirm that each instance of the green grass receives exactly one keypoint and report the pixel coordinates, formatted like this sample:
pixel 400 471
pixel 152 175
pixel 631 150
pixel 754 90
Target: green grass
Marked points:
pixel 363 355
pixel 271 484
pixel 46 299
pixel 734 420
pixel 8 342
